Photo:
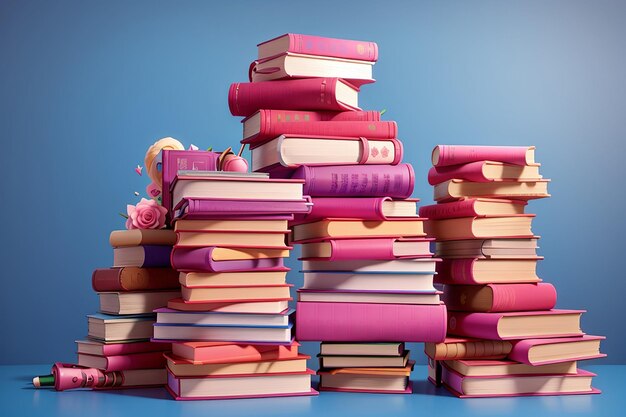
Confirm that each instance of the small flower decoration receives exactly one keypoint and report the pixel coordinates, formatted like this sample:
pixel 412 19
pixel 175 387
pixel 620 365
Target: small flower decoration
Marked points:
pixel 147 214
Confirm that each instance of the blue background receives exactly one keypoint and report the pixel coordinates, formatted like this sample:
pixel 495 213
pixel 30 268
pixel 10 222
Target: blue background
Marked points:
pixel 86 87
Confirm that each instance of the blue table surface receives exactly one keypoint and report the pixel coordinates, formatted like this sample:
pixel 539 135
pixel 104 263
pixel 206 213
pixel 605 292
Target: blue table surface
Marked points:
pixel 19 398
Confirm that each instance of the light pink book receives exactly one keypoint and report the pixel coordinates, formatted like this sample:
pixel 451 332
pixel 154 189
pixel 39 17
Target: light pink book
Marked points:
pixel 508 326
pixel 444 155
pixel 375 248
pixel 471 207
pixel 454 382
pixel 407 390
pixel 364 208
pixel 358 322
pixel 521 349
pixel 318 45
pixel 471 271
pixel 502 297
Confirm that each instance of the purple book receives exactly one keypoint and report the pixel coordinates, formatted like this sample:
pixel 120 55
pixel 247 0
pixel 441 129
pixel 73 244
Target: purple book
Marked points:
pixel 173 161
pixel 147 256
pixel 201 259
pixel 395 181
pixel 214 208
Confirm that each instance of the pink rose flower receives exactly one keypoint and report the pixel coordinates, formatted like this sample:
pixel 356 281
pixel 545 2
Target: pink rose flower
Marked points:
pixel 147 214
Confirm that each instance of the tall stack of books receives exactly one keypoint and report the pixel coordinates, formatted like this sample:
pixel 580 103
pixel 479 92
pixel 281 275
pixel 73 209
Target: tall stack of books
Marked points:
pixel 140 280
pixel 505 336
pixel 368 269
pixel 232 329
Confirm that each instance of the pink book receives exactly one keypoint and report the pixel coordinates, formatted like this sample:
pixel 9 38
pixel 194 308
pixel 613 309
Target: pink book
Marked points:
pixel 473 171
pixel 318 45
pixel 521 351
pixel 508 325
pixel 227 352
pixel 374 248
pixel 200 259
pixel 454 382
pixel 407 390
pixel 444 155
pixel 115 349
pixel 175 386
pixel 469 208
pixel 225 208
pixel 302 94
pixel 364 208
pixel 357 322
pixel 395 181
pixel 172 161
pixel 352 129
pixel 502 297
pixel 147 360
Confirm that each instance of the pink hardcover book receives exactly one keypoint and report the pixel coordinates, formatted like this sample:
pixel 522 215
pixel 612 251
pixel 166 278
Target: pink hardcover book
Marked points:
pixel 172 161
pixel 521 350
pixel 395 181
pixel 302 94
pixel 374 248
pixel 174 386
pixel 200 259
pixel 225 208
pixel 353 129
pixel 462 272
pixel 444 155
pixel 465 208
pixel 473 171
pixel 492 326
pixel 318 45
pixel 359 322
pixel 364 208
pixel 504 297
pixel 407 390
pixel 268 119
pixel 454 382
pixel 116 349
pixel 146 360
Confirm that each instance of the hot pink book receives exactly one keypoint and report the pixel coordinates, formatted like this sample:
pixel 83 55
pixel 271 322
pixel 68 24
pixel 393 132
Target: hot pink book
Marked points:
pixel 174 386
pixel 521 349
pixel 200 259
pixel 490 325
pixel 353 129
pixel 268 119
pixel 172 161
pixel 462 272
pixel 147 360
pixel 395 181
pixel 504 297
pixel 453 381
pixel 230 208
pixel 359 322
pixel 473 171
pixel 444 155
pixel 228 352
pixel 318 45
pixel 364 208
pixel 116 349
pixel 302 94
pixel 461 208
pixel 374 248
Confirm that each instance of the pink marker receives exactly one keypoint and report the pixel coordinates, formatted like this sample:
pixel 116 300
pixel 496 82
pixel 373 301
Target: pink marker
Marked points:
pixel 69 376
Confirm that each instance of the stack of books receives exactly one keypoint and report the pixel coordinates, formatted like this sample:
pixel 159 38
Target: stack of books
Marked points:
pixel 505 336
pixel 368 268
pixel 140 281
pixel 232 329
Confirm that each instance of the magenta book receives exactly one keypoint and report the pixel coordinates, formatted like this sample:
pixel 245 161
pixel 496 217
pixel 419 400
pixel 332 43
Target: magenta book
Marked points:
pixel 478 172
pixel 374 248
pixel 504 297
pixel 355 129
pixel 200 259
pixel 302 94
pixel 225 208
pixel 521 351
pixel 395 181
pixel 358 322
pixel 146 360
pixel 444 155
pixel 364 208
pixel 464 208
pixel 268 119
pixel 318 45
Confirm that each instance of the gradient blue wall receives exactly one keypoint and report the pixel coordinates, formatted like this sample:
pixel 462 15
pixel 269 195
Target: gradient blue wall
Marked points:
pixel 87 86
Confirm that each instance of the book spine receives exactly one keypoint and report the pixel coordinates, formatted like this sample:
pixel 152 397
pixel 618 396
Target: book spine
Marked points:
pixel 271 118
pixel 338 48
pixel 231 208
pixel 476 325
pixel 351 249
pixel 245 353
pixel 107 279
pixel 395 181
pixel 472 171
pixel 199 259
pixel 330 129
pixel 148 360
pixel 523 297
pixel 116 349
pixel 481 349
pixel 358 322
pixel 463 208
pixel 455 271
pixel 300 94
pixel 360 208
pixel 156 256
pixel 460 154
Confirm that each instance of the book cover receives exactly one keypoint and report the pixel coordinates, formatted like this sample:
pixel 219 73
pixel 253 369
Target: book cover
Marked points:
pixel 138 237
pixel 134 279
pixel 500 297
pixel 200 259
pixel 483 171
pixel 444 155
pixel 145 360
pixel 218 208
pixel 521 350
pixel 228 352
pixel 364 208
pixel 319 45
pixel 374 248
pixel 93 347
pixel 469 208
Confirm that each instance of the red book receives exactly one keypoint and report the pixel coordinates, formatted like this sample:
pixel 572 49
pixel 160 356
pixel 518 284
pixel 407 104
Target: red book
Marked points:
pixel 473 207
pixel 226 352
pixel 500 297
pixel 360 322
pixel 318 45
pixel 515 325
pixel 331 94
pixel 366 129
pixel 134 279
pixel 147 360
pixel 444 155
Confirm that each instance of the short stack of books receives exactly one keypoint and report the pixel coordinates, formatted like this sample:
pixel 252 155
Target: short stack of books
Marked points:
pixel 232 329
pixel 505 336
pixel 140 281
pixel 368 269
